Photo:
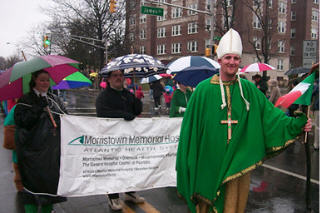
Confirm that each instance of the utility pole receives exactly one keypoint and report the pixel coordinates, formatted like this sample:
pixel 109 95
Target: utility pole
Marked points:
pixel 212 25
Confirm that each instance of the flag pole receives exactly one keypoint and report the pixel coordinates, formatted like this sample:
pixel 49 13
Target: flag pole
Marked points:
pixel 307 152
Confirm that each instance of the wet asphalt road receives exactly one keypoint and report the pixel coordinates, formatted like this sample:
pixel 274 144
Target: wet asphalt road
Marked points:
pixel 276 187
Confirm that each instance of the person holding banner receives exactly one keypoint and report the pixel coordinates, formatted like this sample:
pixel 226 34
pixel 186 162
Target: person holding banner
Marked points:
pixel 229 128
pixel 38 144
pixel 117 102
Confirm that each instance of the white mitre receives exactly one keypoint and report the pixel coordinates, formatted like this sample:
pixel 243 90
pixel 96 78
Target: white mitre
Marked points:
pixel 230 43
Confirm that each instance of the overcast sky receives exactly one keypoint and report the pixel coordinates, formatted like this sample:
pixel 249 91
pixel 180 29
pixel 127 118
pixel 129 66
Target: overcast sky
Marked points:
pixel 17 18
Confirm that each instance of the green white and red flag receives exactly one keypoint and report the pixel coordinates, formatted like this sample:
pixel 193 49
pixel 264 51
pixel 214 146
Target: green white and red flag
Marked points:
pixel 300 94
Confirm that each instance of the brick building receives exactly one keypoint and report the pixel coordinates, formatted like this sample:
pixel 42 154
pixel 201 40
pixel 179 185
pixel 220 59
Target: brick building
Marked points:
pixel 304 26
pixel 182 32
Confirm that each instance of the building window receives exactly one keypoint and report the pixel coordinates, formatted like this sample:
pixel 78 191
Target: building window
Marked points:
pixel 257 43
pixel 161 49
pixel 270 3
pixel 314 33
pixel 132 20
pixel 208 5
pixel 270 24
pixel 293 1
pixel 161 32
pixel 256 22
pixel 162 18
pixel 292 51
pixel 269 43
pixel 282 7
pixel 131 36
pixel 192 28
pixel 176 48
pixel 142 2
pixel 192 6
pixel 143 34
pixel 176 30
pixel 229 3
pixel 315 1
pixel 281 46
pixel 281 27
pixel 208 24
pixel 293 15
pixel 280 64
pixel 143 18
pixel 176 12
pixel 193 46
pixel 293 32
pixel 315 15
pixel 132 4
pixel 142 50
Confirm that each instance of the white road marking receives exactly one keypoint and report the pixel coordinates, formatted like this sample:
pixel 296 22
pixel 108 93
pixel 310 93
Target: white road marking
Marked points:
pixel 290 173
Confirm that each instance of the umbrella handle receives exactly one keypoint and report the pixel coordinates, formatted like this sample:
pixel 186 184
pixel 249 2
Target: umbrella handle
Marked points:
pixel 51 117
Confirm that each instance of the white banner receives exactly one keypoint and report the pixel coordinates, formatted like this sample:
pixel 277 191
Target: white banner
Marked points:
pixel 102 156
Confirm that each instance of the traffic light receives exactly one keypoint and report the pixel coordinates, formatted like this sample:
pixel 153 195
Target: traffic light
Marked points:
pixel 46 41
pixel 207 52
pixel 112 6
pixel 214 49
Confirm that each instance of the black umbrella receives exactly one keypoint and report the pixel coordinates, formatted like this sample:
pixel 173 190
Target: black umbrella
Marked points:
pixel 135 65
pixel 297 70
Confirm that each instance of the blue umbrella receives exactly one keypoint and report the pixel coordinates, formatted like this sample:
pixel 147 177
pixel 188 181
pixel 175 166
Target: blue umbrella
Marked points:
pixel 150 79
pixel 194 62
pixel 192 76
pixel 138 65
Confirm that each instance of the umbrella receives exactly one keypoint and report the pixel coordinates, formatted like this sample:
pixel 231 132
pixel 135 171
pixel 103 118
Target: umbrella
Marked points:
pixel 15 81
pixel 186 62
pixel 150 79
pixel 93 75
pixel 139 65
pixel 297 70
pixel 75 80
pixel 165 75
pixel 168 89
pixel 103 84
pixel 192 76
pixel 257 67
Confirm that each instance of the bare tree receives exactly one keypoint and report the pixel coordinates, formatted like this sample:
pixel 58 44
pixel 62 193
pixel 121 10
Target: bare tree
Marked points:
pixel 8 62
pixel 226 9
pixel 265 22
pixel 91 18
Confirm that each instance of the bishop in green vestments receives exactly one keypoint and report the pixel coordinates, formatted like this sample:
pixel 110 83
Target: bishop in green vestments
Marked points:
pixel 229 129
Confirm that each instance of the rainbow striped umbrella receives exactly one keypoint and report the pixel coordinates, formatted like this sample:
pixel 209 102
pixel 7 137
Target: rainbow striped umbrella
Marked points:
pixel 75 80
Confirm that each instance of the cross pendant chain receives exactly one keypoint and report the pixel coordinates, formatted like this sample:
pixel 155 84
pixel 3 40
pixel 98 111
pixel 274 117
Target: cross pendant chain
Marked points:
pixel 229 121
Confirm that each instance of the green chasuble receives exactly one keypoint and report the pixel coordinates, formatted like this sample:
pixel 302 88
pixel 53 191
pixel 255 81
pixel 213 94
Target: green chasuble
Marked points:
pixel 179 99
pixel 205 159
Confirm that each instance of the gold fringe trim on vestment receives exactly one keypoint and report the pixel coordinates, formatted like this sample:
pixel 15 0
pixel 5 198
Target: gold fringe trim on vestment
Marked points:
pixel 277 148
pixel 239 174
pixel 215 80
pixel 259 163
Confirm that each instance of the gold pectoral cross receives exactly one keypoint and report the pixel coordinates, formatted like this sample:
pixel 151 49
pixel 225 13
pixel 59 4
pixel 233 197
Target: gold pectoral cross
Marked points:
pixel 229 121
